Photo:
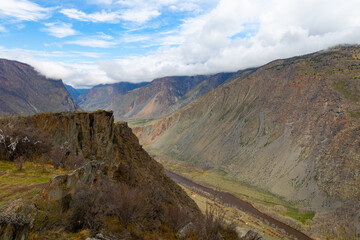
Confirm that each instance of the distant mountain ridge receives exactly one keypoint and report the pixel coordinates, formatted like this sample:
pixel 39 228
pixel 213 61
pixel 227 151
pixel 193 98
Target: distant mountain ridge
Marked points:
pixel 99 96
pixel 153 99
pixel 158 98
pixel 74 92
pixel 23 91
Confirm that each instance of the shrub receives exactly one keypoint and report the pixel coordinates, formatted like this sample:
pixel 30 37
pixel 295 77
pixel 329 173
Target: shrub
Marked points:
pixel 176 217
pixel 84 209
pixel 127 204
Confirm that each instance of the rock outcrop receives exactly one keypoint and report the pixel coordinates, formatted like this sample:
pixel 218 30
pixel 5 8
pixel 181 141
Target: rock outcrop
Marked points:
pixel 62 186
pixel 94 136
pixel 114 167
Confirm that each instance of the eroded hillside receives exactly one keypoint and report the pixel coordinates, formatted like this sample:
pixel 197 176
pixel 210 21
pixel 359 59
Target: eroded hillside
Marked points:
pixel 291 127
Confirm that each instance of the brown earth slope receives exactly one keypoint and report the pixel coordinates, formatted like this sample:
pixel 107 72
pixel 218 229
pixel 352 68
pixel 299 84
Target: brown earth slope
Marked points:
pixel 24 91
pixel 292 127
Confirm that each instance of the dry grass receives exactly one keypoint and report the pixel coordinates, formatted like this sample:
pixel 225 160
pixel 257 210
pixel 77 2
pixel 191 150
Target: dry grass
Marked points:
pixel 15 184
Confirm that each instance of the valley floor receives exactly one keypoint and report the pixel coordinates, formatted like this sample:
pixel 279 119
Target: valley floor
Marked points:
pixel 286 212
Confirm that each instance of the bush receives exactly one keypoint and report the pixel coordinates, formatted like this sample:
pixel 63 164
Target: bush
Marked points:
pixel 127 204
pixel 84 210
pixel 176 217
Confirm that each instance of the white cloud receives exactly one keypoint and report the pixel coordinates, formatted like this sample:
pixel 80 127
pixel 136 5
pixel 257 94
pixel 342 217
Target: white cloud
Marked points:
pixel 234 35
pixel 270 29
pixel 140 15
pixel 59 29
pixel 99 41
pixel 103 16
pixel 131 15
pixel 137 11
pixel 23 10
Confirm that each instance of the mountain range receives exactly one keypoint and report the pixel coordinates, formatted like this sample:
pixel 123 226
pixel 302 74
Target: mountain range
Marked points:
pixel 156 99
pixel 291 127
pixel 99 96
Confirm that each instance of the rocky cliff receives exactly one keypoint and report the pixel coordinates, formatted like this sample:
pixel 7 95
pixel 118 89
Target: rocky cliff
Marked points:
pixel 291 127
pixel 24 91
pixel 114 170
pixel 95 136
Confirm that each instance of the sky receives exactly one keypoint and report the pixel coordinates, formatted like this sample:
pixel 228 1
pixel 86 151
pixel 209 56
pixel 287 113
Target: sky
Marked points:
pixel 90 42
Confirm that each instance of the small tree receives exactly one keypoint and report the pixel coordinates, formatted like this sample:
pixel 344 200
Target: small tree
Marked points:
pixel 20 161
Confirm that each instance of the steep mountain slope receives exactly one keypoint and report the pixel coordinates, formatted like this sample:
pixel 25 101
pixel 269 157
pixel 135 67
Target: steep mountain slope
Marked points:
pixel 164 96
pixel 99 96
pixel 292 127
pixel 74 93
pixel 23 91
pixel 115 170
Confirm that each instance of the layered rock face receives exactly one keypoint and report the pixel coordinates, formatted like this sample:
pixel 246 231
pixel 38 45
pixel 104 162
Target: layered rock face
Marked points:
pixel 23 91
pixel 291 127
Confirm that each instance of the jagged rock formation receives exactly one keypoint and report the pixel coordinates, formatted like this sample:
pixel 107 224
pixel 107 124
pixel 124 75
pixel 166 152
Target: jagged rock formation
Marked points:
pixel 291 127
pixel 95 136
pixel 111 156
pixel 99 96
pixel 23 91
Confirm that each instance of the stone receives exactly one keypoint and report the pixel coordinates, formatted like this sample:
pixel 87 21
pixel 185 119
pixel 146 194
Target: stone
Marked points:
pixel 183 232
